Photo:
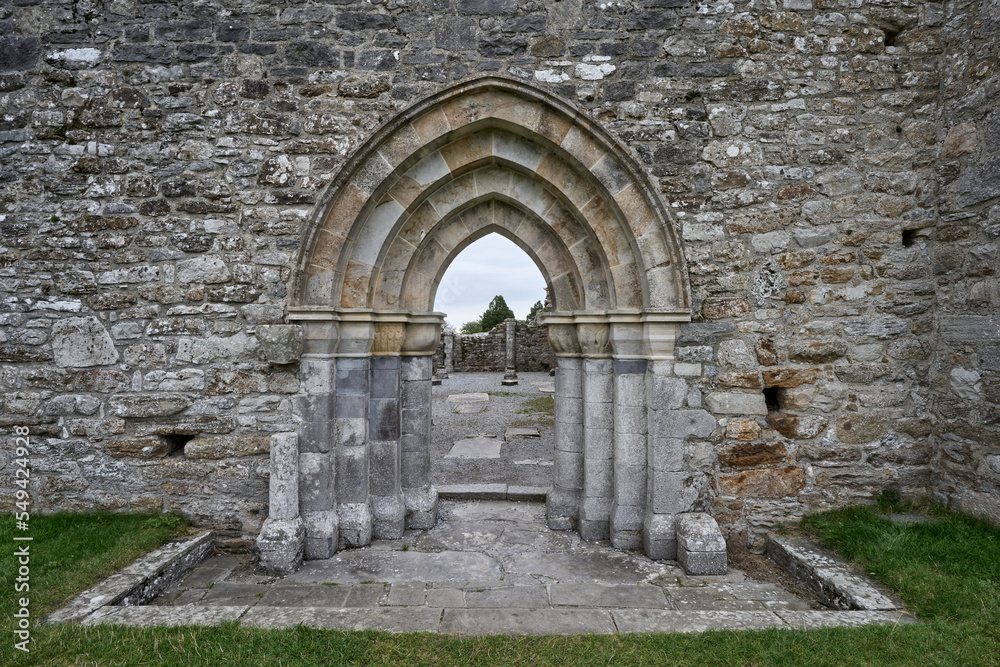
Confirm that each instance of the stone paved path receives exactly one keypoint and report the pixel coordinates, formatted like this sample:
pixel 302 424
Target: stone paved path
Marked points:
pixel 487 567
pixel 460 414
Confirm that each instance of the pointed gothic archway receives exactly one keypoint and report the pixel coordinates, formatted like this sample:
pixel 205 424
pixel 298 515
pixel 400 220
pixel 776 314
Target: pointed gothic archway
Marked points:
pixel 490 155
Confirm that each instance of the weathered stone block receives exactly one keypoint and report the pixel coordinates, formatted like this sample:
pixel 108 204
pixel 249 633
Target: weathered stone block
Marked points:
pixel 149 447
pixel 280 343
pixel 796 426
pixel 859 428
pixel 780 483
pixel 281 545
pixel 700 547
pixel 226 446
pixel 731 403
pixel 82 341
pixel 148 405
pixel 752 455
pixel 659 536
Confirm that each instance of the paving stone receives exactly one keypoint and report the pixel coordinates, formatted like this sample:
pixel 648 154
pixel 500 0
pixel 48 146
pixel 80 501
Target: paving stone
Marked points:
pixel 472 397
pixel 709 598
pixel 445 597
pixel 364 595
pixel 653 620
pixel 407 593
pixel 521 432
pixel 150 616
pixel 526 622
pixel 356 566
pixel 521 597
pixel 390 619
pixel 468 408
pixel 476 448
pixel 298 595
pixel 597 595
pixel 225 593
pixel 808 620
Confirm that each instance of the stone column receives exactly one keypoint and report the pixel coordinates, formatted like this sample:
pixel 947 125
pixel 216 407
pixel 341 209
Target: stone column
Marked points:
pixel 316 459
pixel 629 366
pixel 598 431
pixel 281 542
pixel 352 420
pixel 510 374
pixel 388 511
pixel 449 352
pixel 562 505
pixel 665 395
pixel 420 497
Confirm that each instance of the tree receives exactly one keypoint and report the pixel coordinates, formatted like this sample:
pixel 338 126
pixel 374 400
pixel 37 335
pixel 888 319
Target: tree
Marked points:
pixel 471 327
pixel 534 311
pixel 495 314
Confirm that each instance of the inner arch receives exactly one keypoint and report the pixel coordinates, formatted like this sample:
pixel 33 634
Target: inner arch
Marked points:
pixel 486 266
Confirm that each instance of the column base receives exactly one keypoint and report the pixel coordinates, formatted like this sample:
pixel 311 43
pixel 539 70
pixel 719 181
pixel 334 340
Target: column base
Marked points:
pixel 595 517
pixel 355 524
pixel 322 534
pixel 562 509
pixel 389 516
pixel 421 507
pixel 626 527
pixel 509 378
pixel 281 544
pixel 659 536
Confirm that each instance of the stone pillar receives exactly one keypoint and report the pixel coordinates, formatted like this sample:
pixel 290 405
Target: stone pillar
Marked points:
pixel 449 352
pixel 598 431
pixel 315 407
pixel 510 374
pixel 352 420
pixel 388 510
pixel 629 367
pixel 562 505
pixel 281 542
pixel 420 497
pixel 668 426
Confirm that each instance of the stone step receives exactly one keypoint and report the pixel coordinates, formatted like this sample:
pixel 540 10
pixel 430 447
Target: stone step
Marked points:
pixel 491 492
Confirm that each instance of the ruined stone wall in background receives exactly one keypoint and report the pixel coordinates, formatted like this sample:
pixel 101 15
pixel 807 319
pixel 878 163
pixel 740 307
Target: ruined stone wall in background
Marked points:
pixel 966 377
pixel 487 351
pixel 831 166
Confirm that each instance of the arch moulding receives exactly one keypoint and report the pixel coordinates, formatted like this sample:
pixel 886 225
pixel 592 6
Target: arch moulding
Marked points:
pixel 489 155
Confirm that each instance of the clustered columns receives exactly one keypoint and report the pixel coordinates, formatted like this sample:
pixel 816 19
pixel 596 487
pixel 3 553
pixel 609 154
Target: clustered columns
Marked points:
pixel 615 467
pixel 364 455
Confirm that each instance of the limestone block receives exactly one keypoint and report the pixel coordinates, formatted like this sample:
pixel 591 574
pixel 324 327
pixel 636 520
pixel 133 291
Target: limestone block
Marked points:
pixel 315 482
pixel 281 545
pixel 388 516
pixel 148 447
pixel 284 481
pixel 148 405
pixel 421 507
pixel 659 536
pixel 205 269
pixel 780 483
pixel 796 426
pixel 280 343
pixel 82 341
pixel 355 524
pixel 322 534
pixel 739 404
pixel 226 446
pixel 737 354
pixel 683 423
pixel 700 547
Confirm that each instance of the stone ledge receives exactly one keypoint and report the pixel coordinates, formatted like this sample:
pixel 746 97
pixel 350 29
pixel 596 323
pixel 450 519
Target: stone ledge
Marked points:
pixel 140 582
pixel 835 582
pixel 491 492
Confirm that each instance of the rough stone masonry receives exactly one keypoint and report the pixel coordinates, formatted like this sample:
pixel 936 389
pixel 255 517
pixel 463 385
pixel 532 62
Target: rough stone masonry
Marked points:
pixel 781 299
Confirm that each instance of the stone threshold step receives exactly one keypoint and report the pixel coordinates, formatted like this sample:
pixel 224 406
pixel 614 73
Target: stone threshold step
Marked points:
pixel 837 584
pixel 491 492
pixel 511 621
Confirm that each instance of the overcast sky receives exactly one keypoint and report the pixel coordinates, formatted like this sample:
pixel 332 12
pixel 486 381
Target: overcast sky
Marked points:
pixel 490 266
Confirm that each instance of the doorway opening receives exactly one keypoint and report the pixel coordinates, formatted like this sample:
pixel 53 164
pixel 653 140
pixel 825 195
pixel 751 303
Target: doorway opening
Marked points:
pixel 493 411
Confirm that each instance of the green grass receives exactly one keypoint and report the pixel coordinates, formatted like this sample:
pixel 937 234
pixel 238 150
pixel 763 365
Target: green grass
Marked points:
pixel 542 410
pixel 946 572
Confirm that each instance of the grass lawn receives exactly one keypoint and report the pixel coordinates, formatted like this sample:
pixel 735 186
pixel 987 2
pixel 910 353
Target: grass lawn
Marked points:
pixel 947 572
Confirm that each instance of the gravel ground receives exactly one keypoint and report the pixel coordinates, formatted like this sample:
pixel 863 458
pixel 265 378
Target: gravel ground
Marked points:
pixel 523 461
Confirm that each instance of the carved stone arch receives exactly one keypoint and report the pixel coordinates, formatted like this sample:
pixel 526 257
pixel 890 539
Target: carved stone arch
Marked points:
pixel 489 155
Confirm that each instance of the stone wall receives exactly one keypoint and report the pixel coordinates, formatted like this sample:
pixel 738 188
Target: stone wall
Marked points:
pixel 487 351
pixel 966 374
pixel 831 166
